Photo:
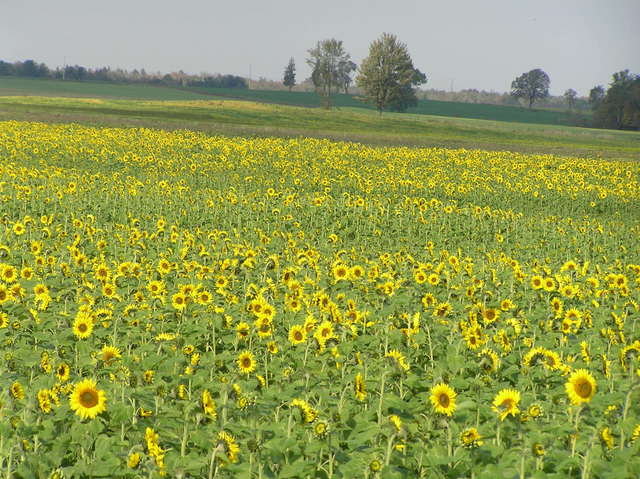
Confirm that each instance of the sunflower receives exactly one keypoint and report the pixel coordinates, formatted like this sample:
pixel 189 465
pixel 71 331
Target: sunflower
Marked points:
pixel 87 400
pixel 320 429
pixel 9 274
pixel 242 330
pixel 359 388
pixel 580 387
pixel 420 276
pixel 506 403
pixel 179 301
pixel 17 391
pixel 231 448
pixel 398 359
pixel 83 325
pixel 109 354
pixel 297 335
pixel 133 460
pixel 324 333
pixel 537 449
pixel 536 282
pixel 340 272
pixel 246 362
pixel 471 438
pixel 18 228
pixel 534 411
pixel 156 288
pixel 549 284
pixel 208 404
pixel 489 361
pixel 5 294
pixel 434 279
pixel 356 272
pixel 490 315
pixel 62 372
pixel 443 398
pixel 607 438
pixel 44 401
pixel 272 347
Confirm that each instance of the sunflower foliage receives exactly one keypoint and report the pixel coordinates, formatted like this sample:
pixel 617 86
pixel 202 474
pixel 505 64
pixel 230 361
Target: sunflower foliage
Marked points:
pixel 180 305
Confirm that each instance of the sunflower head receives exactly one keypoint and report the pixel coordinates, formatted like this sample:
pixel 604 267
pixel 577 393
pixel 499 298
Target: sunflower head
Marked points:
pixel 87 400
pixel 246 362
pixel 581 387
pixel 443 398
pixel 506 403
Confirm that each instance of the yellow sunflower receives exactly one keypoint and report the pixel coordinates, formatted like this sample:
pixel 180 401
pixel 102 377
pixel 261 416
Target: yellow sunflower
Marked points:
pixel 109 353
pixel 208 404
pixel 359 387
pixel 246 362
pixel 580 387
pixel 471 438
pixel 297 335
pixel 443 398
pixel 87 400
pixel 83 325
pixel 231 448
pixel 506 403
pixel 62 372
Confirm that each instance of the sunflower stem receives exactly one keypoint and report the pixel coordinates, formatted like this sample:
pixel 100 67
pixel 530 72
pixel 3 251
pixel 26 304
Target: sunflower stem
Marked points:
pixel 574 437
pixel 213 470
pixel 387 459
pixel 449 443
pixel 382 378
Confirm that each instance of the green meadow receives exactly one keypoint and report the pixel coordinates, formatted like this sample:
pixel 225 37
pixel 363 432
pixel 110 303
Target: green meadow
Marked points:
pixel 243 118
pixel 57 88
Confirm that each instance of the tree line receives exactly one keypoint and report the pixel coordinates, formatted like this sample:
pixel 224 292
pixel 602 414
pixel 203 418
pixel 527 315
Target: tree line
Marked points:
pixel 386 78
pixel 32 69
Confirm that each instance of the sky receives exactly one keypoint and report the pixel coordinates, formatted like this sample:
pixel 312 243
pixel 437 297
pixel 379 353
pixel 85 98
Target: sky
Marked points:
pixel 459 44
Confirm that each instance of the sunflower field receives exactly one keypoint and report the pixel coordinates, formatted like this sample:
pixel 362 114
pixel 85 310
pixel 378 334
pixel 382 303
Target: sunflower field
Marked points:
pixel 188 306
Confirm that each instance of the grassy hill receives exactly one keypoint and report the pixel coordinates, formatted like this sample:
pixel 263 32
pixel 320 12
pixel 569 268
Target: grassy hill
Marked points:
pixel 58 88
pixel 243 118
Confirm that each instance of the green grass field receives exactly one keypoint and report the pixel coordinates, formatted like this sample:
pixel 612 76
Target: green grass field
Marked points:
pixel 46 87
pixel 242 118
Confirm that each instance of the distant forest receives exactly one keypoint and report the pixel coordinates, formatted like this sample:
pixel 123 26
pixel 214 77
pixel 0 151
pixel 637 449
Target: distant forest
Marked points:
pixel 32 69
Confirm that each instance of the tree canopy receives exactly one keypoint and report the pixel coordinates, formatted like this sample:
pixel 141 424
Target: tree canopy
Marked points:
pixel 289 79
pixel 619 107
pixel 388 77
pixel 532 86
pixel 331 68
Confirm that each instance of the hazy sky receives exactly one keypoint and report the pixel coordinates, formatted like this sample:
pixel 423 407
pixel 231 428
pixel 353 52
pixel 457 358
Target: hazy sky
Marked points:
pixel 464 43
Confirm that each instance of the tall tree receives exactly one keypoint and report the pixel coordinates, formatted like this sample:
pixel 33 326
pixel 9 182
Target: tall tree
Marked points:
pixel 596 95
pixel 328 62
pixel 620 107
pixel 289 79
pixel 570 96
pixel 532 86
pixel 388 77
pixel 345 68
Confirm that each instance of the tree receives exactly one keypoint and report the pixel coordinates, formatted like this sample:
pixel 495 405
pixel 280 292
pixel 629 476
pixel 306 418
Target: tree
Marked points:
pixel 620 106
pixel 289 79
pixel 345 68
pixel 329 63
pixel 387 76
pixel 596 95
pixel 532 86
pixel 570 97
